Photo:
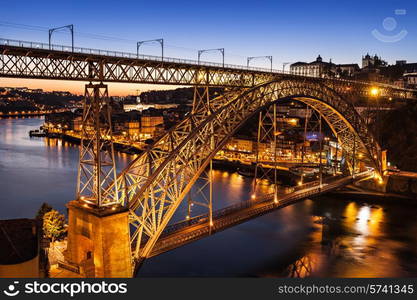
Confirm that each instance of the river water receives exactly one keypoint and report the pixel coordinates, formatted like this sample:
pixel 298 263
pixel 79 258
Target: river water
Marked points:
pixel 376 238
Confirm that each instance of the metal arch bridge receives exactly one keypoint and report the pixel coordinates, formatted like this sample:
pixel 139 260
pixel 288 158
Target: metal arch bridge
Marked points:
pixel 155 183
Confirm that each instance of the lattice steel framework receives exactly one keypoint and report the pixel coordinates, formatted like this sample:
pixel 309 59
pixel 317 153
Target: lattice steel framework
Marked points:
pixel 201 106
pixel 267 135
pixel 157 181
pixel 96 170
pixel 50 64
pixel 22 59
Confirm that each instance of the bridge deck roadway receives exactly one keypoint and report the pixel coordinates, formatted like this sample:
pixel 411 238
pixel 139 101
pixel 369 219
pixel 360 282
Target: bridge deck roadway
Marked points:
pixel 231 217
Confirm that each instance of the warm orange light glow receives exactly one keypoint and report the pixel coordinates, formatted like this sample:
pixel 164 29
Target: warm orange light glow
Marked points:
pixel 374 91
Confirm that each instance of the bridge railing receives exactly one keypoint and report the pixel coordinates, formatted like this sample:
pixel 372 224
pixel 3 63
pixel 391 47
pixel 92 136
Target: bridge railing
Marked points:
pixel 216 214
pixel 264 198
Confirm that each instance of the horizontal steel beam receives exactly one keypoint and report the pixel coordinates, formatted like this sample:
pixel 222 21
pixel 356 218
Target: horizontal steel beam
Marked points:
pixel 27 60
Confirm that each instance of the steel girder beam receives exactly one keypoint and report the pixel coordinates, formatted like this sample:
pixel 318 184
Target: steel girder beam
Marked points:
pixel 96 169
pixel 267 134
pixel 156 182
pixel 43 64
pixel 38 63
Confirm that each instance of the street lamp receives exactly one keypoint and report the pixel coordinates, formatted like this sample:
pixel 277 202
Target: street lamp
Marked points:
pixel 69 27
pixel 256 57
pixel 283 66
pixel 221 50
pixel 374 91
pixel 160 41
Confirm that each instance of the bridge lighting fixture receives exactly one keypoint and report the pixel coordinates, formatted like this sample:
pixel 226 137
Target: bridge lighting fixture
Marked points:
pixel 256 57
pixel 211 223
pixel 200 52
pixel 374 91
pixel 71 30
pixel 253 196
pixel 160 41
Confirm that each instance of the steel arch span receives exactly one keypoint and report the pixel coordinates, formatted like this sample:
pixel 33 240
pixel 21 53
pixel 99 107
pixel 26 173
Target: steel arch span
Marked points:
pixel 156 182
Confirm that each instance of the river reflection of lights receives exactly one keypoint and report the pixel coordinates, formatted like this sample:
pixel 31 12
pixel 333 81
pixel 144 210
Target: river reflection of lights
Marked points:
pixel 362 219
pixel 365 220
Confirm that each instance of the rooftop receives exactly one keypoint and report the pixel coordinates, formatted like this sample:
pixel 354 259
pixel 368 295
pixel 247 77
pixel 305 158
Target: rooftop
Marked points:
pixel 18 240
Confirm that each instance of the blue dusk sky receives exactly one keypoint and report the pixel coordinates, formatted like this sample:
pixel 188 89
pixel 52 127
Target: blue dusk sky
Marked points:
pixel 290 31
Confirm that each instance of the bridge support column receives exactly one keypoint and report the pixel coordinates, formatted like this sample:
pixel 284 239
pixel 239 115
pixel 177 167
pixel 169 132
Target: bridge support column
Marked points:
pixel 99 240
pixel 267 135
pixel 98 226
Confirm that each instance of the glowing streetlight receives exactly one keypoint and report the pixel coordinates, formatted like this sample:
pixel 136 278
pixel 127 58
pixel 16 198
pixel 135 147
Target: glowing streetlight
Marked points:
pixel 374 91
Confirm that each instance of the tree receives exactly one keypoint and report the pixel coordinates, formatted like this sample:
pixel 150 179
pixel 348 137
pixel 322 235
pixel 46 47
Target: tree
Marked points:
pixel 54 225
pixel 45 207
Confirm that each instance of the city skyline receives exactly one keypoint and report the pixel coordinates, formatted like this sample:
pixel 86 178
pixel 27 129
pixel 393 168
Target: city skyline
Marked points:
pixel 344 36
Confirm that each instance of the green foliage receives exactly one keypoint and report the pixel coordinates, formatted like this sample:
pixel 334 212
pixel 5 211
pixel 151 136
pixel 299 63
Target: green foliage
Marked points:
pixel 45 207
pixel 54 225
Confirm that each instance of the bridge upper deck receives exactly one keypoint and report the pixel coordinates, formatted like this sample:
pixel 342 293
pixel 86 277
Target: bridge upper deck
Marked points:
pixel 25 59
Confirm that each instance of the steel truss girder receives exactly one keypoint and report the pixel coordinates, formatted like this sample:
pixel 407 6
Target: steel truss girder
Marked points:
pixel 96 169
pixel 156 182
pixel 43 64
pixel 21 62
pixel 267 128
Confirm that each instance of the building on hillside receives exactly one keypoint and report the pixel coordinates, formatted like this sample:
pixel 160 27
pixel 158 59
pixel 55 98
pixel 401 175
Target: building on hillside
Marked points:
pixel 144 106
pixel 372 62
pixel 410 80
pixel 151 125
pixel 347 70
pixel 317 68
pixel 320 68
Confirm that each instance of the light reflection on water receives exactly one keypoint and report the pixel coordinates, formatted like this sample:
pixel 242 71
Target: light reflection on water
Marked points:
pixel 358 239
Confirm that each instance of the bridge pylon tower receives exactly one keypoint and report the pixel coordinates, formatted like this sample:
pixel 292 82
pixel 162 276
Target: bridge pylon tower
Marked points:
pixel 267 145
pixel 203 106
pixel 95 218
pixel 97 168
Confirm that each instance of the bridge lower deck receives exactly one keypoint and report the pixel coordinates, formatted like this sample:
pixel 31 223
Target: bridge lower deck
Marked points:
pixel 188 231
